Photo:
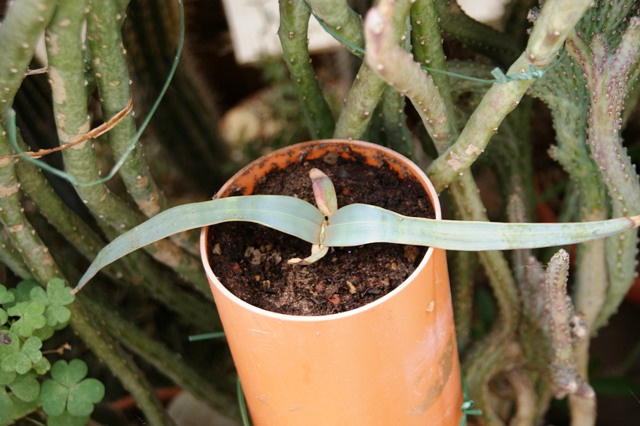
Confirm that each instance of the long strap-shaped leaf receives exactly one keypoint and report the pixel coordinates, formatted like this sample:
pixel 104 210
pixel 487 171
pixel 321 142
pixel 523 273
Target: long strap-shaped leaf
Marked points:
pixel 358 224
pixel 286 214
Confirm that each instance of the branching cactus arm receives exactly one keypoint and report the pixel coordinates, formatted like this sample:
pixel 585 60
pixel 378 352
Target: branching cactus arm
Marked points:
pixel 397 67
pixel 606 76
pixel 340 18
pixel 564 328
pixel 294 20
pixel 21 28
pixel 427 48
pixel 367 89
pixel 556 20
pixel 112 76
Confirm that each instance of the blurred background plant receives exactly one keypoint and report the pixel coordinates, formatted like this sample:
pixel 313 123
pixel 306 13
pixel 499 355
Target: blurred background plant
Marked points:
pixel 553 138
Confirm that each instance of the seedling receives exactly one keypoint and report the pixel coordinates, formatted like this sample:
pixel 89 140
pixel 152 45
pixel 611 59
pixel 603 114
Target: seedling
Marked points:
pixel 328 226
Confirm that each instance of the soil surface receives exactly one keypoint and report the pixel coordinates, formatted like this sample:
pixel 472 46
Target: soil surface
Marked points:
pixel 251 260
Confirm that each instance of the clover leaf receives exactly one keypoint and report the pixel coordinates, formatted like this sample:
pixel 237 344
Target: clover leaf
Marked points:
pixel 58 295
pixel 66 419
pixel 31 315
pixel 20 357
pixel 6 296
pixel 68 390
pixel 8 349
pixel 54 397
pixel 54 299
pixel 6 377
pixel 41 366
pixel 25 387
pixel 12 408
pixel 22 292
pixel 6 407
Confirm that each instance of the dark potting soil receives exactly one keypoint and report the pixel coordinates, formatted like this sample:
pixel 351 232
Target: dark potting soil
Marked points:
pixel 251 260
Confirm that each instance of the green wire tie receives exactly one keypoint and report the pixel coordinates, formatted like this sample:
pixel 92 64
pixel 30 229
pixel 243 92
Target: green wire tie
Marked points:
pixel 206 336
pixel 467 404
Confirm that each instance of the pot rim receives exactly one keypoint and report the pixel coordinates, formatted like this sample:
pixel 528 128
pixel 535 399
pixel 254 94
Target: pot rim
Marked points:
pixel 410 165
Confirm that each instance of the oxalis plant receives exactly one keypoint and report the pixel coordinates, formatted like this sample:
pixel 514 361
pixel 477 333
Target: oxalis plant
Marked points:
pixel 29 315
pixel 471 109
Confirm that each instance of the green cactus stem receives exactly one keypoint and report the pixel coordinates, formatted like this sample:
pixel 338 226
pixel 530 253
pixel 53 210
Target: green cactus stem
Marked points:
pixel 463 268
pixel 109 65
pixel 21 28
pixel 166 361
pixel 187 113
pixel 12 218
pixel 394 122
pixel 140 269
pixel 561 322
pixel 340 19
pixel 42 266
pixel 565 329
pixel 454 21
pixel 368 87
pixel 400 71
pixel 74 229
pixel 553 25
pixel 525 396
pixel 294 20
pixel 10 257
pixel 66 64
pixel 427 49
pixel 606 74
pixel 359 105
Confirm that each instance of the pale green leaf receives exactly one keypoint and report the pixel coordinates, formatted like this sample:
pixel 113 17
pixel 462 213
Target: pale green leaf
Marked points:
pixel 286 214
pixel 66 419
pixel 25 387
pixel 358 224
pixel 54 397
pixel 16 362
pixel 83 396
pixel 69 374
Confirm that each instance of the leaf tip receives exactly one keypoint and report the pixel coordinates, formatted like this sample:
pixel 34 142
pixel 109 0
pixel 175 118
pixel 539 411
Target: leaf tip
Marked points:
pixel 324 192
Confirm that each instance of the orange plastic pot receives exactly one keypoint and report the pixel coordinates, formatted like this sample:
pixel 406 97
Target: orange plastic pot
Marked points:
pixel 391 362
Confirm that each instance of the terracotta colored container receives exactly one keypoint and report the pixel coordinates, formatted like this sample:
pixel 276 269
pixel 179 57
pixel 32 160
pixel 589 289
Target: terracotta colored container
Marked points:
pixel 391 362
